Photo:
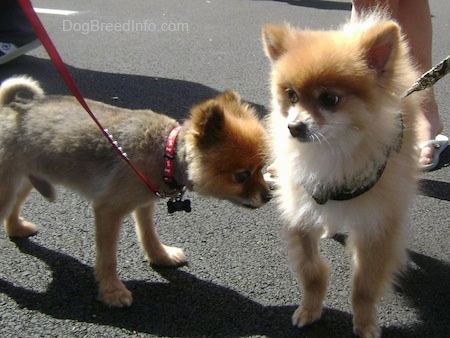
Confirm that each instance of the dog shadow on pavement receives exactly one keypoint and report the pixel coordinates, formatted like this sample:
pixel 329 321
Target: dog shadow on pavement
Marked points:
pixel 171 97
pixel 184 306
pixel 188 306
pixel 424 286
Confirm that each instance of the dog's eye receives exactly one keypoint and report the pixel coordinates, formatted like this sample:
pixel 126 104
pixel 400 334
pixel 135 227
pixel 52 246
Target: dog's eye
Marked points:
pixel 328 100
pixel 293 97
pixel 243 176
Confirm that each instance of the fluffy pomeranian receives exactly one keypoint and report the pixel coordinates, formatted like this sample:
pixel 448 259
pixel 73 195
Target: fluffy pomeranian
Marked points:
pixel 48 140
pixel 343 142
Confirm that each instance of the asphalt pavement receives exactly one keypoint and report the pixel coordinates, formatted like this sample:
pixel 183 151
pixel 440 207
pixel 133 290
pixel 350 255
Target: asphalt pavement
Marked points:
pixel 168 55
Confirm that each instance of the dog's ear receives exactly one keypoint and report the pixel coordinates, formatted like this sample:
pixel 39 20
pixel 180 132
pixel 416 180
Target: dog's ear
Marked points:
pixel 274 39
pixel 209 121
pixel 231 103
pixel 230 96
pixel 381 44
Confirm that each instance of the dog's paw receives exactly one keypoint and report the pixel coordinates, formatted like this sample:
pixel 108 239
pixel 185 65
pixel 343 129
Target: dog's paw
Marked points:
pixel 20 228
pixel 168 256
pixel 115 295
pixel 365 319
pixel 303 317
pixel 367 331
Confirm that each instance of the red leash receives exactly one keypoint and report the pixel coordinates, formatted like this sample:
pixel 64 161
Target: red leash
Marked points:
pixel 65 74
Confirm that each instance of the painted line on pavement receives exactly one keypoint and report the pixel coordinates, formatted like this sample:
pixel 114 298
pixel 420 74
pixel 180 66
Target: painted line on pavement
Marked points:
pixel 54 11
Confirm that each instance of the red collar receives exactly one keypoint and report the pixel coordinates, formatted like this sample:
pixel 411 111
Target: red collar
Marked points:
pixel 169 153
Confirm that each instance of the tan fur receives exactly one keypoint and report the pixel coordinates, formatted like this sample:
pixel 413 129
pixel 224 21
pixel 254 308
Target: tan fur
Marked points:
pixel 51 140
pixel 365 66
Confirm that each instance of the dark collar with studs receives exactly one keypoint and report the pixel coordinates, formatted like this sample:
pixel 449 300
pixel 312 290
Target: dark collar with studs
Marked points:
pixel 347 192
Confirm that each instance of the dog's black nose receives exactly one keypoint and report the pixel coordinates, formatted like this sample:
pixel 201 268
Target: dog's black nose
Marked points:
pixel 298 129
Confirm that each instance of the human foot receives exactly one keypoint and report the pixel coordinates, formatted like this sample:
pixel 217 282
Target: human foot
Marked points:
pixel 429 127
pixel 437 146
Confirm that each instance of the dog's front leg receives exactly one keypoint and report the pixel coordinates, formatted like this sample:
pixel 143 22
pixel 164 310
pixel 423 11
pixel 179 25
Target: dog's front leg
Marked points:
pixel 376 258
pixel 312 273
pixel 158 253
pixel 112 291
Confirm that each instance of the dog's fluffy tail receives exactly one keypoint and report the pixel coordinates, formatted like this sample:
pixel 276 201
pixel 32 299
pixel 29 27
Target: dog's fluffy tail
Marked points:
pixel 20 92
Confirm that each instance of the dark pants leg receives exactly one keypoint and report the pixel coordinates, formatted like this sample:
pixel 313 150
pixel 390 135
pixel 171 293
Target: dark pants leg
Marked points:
pixel 14 25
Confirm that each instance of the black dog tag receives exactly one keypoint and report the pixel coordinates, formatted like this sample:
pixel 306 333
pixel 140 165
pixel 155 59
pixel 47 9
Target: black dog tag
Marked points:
pixel 178 205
